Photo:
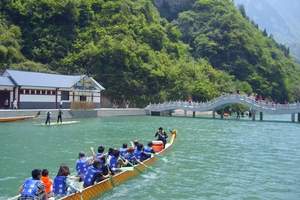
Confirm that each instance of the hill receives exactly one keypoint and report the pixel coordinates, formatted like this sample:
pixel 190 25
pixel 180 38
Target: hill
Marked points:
pixel 123 44
pixel 217 31
pixel 279 18
pixel 144 54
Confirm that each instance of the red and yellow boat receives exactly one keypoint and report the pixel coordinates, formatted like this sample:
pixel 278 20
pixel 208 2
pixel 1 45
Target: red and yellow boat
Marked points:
pixel 16 118
pixel 98 189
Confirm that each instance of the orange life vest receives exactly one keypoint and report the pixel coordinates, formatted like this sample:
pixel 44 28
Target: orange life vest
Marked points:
pixel 47 183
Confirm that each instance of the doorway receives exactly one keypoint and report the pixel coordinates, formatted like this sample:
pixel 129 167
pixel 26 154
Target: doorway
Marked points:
pixel 4 99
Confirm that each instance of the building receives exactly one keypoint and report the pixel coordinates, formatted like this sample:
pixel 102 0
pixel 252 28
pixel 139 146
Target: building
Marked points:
pixel 29 90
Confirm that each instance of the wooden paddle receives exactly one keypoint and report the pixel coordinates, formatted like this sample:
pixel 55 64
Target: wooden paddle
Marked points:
pixel 93 152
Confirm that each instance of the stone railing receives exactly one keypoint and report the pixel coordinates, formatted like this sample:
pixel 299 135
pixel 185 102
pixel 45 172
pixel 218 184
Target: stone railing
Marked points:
pixel 257 106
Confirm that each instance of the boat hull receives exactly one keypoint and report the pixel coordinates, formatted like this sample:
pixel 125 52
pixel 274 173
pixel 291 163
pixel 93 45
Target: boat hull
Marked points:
pixel 13 119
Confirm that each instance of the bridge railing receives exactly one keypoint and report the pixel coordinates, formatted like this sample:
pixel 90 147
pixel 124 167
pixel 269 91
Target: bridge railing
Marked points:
pixel 225 99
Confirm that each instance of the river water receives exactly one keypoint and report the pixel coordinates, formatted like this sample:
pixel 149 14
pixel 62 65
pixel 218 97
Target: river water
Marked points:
pixel 211 159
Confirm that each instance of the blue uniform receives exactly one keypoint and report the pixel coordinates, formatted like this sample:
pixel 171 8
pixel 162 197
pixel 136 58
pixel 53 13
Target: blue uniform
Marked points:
pixel 30 188
pixel 113 163
pixel 81 167
pixel 130 157
pixel 137 154
pixel 148 150
pixel 60 185
pixel 123 151
pixel 91 176
pixel 99 155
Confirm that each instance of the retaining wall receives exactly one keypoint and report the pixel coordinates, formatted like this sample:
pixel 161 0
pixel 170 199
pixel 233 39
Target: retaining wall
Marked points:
pixel 67 113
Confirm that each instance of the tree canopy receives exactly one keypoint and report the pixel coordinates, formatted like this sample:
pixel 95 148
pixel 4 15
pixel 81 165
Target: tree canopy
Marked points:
pixel 139 55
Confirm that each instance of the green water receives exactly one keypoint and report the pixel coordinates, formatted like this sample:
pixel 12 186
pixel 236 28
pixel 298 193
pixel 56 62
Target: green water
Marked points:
pixel 212 159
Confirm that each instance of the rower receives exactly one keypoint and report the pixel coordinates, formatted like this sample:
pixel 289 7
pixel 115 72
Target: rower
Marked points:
pixel 161 135
pixel 109 155
pixel 115 163
pixel 129 156
pixel 135 143
pixel 62 184
pixel 148 151
pixel 81 165
pixel 47 182
pixel 100 152
pixel 123 150
pixel 93 174
pixel 138 152
pixel 33 188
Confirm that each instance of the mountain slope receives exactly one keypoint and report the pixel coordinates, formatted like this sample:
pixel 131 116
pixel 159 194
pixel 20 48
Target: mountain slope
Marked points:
pixel 124 44
pixel 140 56
pixel 217 31
pixel 279 18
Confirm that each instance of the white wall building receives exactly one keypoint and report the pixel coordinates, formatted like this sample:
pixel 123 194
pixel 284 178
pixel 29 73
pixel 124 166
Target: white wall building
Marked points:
pixel 43 90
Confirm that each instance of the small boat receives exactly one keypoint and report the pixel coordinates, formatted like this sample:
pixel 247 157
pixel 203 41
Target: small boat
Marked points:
pixel 59 124
pixel 16 118
pixel 95 191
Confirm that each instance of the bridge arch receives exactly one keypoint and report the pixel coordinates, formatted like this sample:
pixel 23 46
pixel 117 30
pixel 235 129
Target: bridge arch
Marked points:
pixel 255 106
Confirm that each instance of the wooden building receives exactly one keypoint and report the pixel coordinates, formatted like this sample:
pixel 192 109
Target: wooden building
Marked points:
pixel 34 90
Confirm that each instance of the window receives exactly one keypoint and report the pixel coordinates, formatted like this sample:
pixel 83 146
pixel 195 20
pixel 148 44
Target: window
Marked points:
pixel 65 95
pixel 53 92
pixel 38 91
pixel 22 91
pixel 43 91
pixel 82 98
pixel 48 92
pixel 26 91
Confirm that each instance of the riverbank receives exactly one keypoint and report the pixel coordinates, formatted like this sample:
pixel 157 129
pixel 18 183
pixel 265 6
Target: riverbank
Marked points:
pixel 69 114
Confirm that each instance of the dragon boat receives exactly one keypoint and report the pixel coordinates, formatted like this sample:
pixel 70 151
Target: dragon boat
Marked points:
pixel 95 191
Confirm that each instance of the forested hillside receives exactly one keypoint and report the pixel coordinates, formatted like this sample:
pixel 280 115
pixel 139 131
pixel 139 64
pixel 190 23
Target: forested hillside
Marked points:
pixel 279 18
pixel 218 32
pixel 141 56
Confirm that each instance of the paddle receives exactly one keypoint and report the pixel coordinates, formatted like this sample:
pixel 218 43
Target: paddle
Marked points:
pixel 93 152
pixel 139 163
pixel 125 160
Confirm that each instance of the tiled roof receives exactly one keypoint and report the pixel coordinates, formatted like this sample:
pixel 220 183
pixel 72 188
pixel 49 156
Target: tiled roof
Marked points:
pixel 5 81
pixel 36 79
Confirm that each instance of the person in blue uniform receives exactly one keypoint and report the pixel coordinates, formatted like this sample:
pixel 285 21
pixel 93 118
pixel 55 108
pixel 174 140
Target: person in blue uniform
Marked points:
pixel 161 135
pixel 123 150
pixel 115 162
pixel 129 156
pixel 100 152
pixel 81 165
pixel 109 154
pixel 62 185
pixel 33 188
pixel 138 152
pixel 93 174
pixel 147 152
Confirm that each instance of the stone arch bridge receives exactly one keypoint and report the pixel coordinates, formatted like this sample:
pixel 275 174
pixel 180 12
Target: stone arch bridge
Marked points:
pixel 222 101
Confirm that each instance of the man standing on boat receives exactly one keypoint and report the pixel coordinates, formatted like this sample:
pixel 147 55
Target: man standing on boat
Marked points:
pixel 59 116
pixel 48 118
pixel 161 135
